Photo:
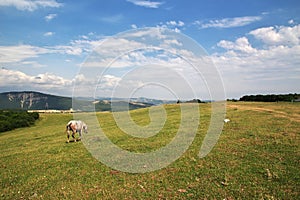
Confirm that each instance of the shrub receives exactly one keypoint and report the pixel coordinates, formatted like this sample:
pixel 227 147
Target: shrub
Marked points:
pixel 11 119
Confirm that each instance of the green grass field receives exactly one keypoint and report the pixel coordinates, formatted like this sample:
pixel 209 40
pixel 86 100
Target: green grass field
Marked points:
pixel 256 157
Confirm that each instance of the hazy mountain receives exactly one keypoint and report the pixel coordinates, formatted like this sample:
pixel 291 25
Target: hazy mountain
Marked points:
pixel 140 100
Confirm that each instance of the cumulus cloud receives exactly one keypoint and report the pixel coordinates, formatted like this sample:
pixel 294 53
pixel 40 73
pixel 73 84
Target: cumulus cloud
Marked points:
pixel 241 44
pixel 14 80
pixel 109 82
pixel 228 22
pixel 134 26
pixel 111 51
pixel 160 62
pixel 174 23
pixel 291 21
pixel 147 4
pixel 282 35
pixel 30 5
pixel 135 59
pixel 272 67
pixel 48 34
pixel 50 17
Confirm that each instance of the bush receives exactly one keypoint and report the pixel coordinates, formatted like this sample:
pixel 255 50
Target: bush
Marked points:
pixel 11 119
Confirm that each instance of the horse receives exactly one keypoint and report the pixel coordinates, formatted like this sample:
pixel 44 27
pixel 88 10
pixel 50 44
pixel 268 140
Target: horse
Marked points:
pixel 75 126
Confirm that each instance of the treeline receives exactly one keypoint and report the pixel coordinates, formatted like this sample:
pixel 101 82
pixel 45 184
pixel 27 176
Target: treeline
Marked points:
pixel 191 101
pixel 271 97
pixel 11 119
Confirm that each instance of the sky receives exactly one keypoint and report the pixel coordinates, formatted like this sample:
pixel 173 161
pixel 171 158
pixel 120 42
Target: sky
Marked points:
pixel 49 45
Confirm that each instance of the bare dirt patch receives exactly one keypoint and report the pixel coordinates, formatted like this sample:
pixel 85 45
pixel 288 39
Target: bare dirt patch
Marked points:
pixel 291 116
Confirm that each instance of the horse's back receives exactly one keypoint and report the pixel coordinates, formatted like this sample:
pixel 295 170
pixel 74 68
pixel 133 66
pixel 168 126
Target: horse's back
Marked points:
pixel 77 125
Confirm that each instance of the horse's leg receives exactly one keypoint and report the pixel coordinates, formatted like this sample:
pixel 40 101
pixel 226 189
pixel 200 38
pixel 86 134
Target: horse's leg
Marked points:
pixel 80 134
pixel 73 127
pixel 68 135
pixel 73 136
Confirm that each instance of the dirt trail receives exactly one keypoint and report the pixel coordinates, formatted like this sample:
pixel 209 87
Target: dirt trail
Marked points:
pixel 292 117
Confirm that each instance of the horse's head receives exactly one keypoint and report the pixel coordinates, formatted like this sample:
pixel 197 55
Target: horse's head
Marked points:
pixel 85 128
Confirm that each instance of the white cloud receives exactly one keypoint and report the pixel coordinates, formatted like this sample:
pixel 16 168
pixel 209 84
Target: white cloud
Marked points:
pixel 68 49
pixel 241 44
pixel 50 17
pixel 164 66
pixel 139 49
pixel 84 37
pixel 173 42
pixel 147 4
pixel 149 32
pixel 11 54
pixel 15 80
pixel 78 47
pixel 133 26
pixel 174 23
pixel 228 22
pixel 135 59
pixel 269 68
pixel 291 21
pixel 30 5
pixel 109 82
pixel 281 35
pixel 48 34
pixel 18 53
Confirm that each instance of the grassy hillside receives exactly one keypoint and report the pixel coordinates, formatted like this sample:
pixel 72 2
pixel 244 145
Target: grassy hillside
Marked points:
pixel 256 157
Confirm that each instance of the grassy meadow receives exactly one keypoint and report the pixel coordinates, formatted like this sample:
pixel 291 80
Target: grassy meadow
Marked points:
pixel 257 157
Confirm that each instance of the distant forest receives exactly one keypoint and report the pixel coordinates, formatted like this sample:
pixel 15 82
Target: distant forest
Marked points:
pixel 271 97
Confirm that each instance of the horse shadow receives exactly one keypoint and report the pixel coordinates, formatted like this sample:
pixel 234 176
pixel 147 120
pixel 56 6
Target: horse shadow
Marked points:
pixel 72 141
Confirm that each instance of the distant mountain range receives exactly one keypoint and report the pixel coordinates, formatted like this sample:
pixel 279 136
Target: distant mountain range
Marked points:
pixel 30 100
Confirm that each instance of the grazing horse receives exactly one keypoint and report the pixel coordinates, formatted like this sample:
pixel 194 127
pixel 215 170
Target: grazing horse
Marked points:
pixel 75 126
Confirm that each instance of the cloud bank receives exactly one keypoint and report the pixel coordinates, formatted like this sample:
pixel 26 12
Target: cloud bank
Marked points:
pixel 263 60
pixel 268 67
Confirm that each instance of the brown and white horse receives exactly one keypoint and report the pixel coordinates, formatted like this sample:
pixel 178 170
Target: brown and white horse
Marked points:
pixel 75 126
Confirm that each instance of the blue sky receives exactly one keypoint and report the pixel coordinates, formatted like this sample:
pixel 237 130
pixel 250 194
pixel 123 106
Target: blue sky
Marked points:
pixel 254 44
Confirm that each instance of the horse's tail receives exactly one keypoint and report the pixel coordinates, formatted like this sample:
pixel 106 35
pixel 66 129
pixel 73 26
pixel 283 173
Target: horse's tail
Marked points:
pixel 67 131
pixel 68 126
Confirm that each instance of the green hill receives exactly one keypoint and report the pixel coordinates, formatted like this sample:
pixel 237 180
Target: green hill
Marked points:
pixel 256 157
